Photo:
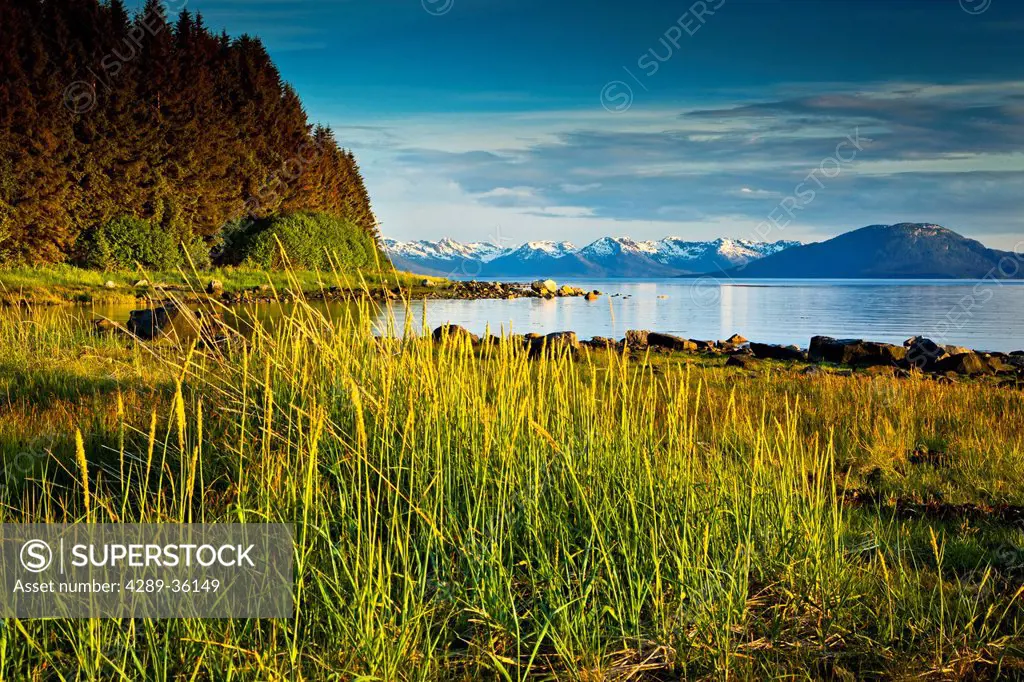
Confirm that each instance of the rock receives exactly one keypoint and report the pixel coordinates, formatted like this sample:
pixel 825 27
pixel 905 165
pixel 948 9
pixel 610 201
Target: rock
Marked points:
pixel 704 345
pixel 855 352
pixel 736 340
pixel 772 352
pixel 637 338
pixel 922 353
pixel 956 350
pixel 150 323
pixel 970 364
pixel 427 283
pixel 545 286
pixel 454 331
pixel 662 297
pixel 104 326
pixel 670 341
pixel 566 290
pixel 1000 363
pixel 600 343
pixel 741 361
pixel 593 296
pixel 215 287
pixel 1017 354
pixel 110 284
pixel 562 340
pixel 811 371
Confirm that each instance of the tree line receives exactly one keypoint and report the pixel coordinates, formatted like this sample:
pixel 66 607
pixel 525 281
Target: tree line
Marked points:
pixel 105 115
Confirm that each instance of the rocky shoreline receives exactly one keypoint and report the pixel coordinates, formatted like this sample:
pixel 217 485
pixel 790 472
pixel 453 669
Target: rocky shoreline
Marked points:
pixel 917 354
pixel 429 289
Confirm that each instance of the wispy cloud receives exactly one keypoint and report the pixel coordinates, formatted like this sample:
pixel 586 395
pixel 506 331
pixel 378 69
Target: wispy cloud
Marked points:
pixel 948 153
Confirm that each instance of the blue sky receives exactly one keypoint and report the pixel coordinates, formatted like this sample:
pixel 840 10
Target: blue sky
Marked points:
pixel 517 120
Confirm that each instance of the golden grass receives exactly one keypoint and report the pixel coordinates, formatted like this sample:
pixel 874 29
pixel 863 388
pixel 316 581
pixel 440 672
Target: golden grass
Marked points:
pixel 468 512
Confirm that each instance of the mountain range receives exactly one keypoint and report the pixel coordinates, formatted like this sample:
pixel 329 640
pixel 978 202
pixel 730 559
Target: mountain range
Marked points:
pixel 606 257
pixel 904 250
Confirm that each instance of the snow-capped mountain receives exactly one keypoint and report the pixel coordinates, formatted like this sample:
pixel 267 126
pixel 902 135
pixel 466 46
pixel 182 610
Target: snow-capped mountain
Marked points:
pixel 606 257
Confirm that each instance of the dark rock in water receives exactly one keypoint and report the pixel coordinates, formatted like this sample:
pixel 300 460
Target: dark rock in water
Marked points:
pixel 970 364
pixel 922 353
pixel 151 323
pixel 855 352
pixel 454 332
pixel 669 341
pixel 736 340
pixel 741 361
pixel 771 352
pixel 1017 353
pixel 704 345
pixel 637 338
pixel 215 287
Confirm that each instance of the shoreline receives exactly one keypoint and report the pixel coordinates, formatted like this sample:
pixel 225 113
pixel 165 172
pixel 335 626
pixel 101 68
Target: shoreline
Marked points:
pixel 918 355
pixel 66 285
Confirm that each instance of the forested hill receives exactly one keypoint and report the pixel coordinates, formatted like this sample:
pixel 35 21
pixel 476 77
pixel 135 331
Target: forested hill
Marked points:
pixel 105 115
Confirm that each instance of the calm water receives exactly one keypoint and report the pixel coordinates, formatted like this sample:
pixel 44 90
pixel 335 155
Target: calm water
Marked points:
pixel 981 315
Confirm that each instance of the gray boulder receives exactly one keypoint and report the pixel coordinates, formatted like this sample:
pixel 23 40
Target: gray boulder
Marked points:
pixel 637 338
pixel 923 353
pixel 152 323
pixel 670 342
pixel 855 352
pixel 970 364
pixel 454 331
pixel 773 352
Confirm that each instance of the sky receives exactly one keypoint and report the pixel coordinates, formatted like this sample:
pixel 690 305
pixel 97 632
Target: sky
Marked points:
pixel 569 120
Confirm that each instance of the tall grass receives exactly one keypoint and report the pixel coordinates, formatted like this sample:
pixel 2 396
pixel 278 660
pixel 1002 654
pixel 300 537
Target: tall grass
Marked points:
pixel 469 512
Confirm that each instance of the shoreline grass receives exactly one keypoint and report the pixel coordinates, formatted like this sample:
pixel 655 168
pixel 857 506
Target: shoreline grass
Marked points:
pixel 467 513
pixel 66 284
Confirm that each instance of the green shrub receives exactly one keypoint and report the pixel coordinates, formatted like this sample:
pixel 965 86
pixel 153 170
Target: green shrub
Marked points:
pixel 197 253
pixel 310 240
pixel 125 241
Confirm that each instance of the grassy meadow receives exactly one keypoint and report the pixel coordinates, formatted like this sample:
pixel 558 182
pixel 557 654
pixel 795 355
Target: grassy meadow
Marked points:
pixel 467 513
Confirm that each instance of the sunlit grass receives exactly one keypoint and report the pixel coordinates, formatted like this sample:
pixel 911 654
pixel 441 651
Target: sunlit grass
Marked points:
pixel 53 284
pixel 469 512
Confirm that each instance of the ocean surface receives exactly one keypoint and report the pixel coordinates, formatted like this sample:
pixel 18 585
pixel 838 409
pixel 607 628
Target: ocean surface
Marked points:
pixel 984 315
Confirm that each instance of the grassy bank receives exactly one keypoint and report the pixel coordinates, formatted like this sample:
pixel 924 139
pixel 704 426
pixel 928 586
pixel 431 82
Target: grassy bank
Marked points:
pixel 467 513
pixel 59 284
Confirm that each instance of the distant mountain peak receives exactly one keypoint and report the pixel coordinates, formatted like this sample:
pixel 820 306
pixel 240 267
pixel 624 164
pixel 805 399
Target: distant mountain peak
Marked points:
pixel 903 250
pixel 604 257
